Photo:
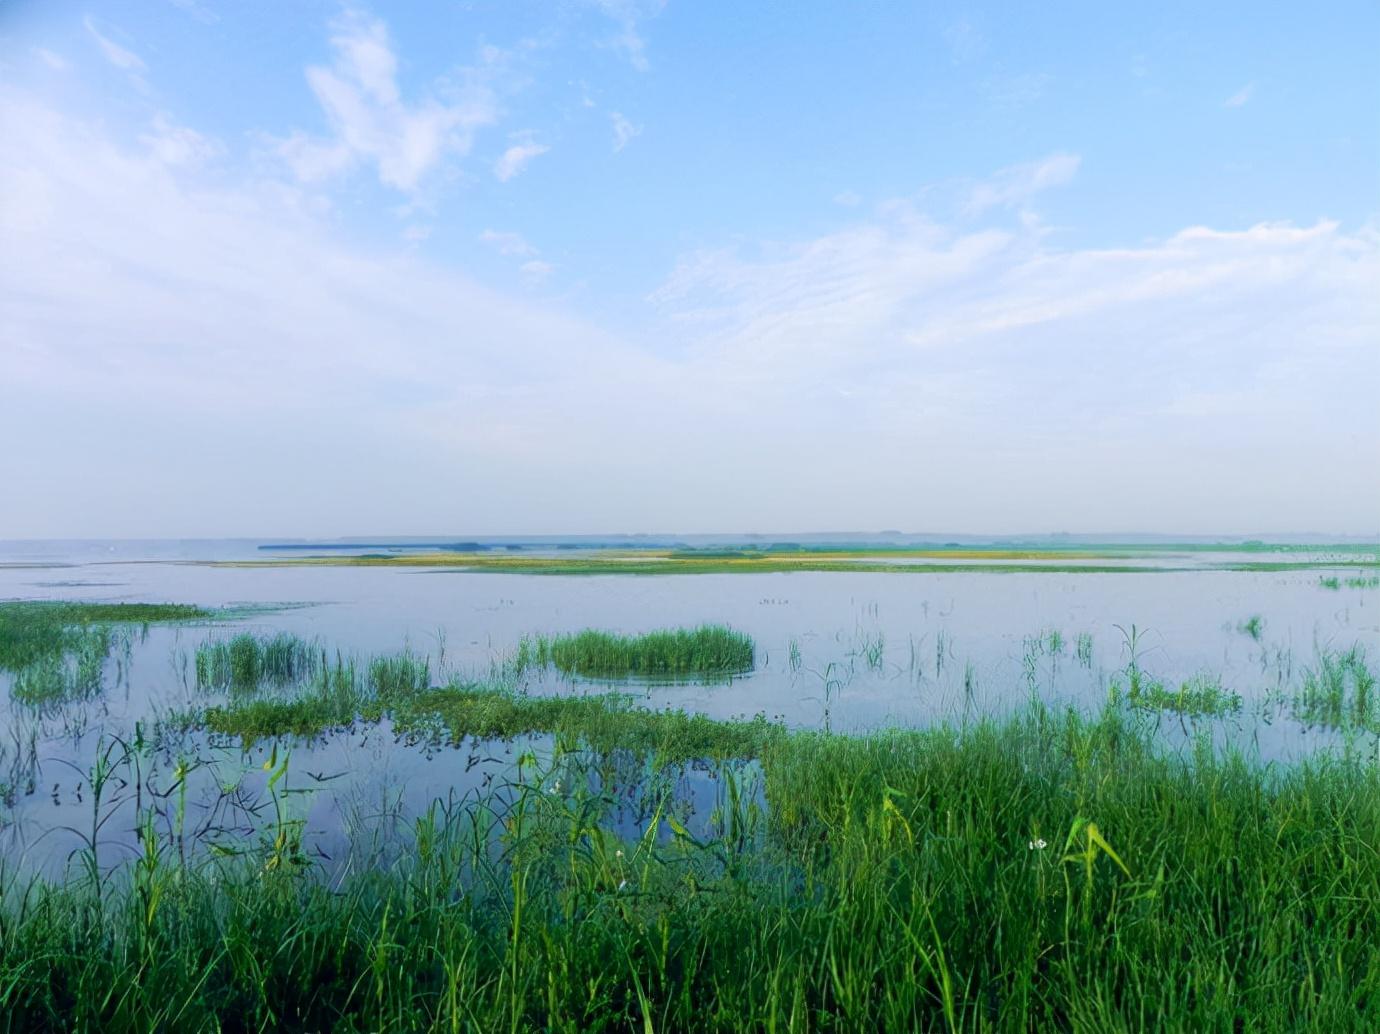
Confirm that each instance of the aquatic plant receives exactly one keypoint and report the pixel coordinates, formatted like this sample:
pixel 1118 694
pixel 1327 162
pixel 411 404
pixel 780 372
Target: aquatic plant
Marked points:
pixel 1339 691
pixel 1084 649
pixel 399 675
pixel 35 630
pixel 247 661
pixel 1052 871
pixel 1201 696
pixel 707 650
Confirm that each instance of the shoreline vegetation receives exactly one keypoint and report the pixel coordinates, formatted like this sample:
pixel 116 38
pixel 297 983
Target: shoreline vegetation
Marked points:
pixel 1047 871
pixel 1051 869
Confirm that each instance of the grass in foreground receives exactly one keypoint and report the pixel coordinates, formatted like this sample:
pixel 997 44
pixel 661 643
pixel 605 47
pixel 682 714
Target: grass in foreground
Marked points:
pixel 1049 872
pixel 707 650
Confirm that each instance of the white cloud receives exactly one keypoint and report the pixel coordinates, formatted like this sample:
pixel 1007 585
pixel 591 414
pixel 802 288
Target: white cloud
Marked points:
pixel 371 122
pixel 223 336
pixel 1240 97
pixel 515 159
pixel 623 130
pixel 898 372
pixel 506 242
pixel 1016 184
pixel 55 61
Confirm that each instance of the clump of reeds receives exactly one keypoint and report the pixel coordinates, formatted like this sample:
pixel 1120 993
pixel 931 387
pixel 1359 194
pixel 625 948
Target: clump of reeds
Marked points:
pixel 247 662
pixel 399 675
pixel 709 650
pixel 1339 691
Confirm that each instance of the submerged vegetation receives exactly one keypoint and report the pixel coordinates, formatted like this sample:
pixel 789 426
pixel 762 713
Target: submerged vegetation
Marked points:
pixel 1202 696
pixel 1051 871
pixel 34 630
pixel 670 653
pixel 56 651
pixel 1335 583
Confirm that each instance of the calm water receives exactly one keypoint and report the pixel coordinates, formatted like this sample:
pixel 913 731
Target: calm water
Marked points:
pixel 850 651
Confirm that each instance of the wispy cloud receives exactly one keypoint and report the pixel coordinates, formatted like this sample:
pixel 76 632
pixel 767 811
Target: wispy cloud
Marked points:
pixel 174 144
pixel 55 61
pixel 516 157
pixel 121 57
pixel 997 349
pixel 627 14
pixel 1017 184
pixel 372 123
pixel 1240 97
pixel 623 130
pixel 965 41
pixel 506 242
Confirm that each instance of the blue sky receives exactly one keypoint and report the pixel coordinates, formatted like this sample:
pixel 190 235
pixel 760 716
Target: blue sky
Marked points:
pixel 598 266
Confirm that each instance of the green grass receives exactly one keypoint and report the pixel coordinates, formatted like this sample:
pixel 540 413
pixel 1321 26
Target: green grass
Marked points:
pixel 1047 872
pixel 710 650
pixel 1199 697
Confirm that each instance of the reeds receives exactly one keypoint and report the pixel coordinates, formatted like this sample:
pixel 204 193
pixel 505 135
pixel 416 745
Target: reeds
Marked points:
pixel 1053 871
pixel 247 662
pixel 709 650
pixel 1339 691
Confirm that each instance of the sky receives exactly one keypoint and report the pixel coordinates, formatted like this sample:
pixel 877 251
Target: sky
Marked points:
pixel 582 266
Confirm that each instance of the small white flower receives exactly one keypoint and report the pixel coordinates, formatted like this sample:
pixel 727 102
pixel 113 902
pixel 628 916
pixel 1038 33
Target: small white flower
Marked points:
pixel 1038 845
pixel 618 853
pixel 622 885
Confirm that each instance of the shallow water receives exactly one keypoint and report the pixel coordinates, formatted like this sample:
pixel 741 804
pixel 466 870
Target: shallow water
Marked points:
pixel 871 649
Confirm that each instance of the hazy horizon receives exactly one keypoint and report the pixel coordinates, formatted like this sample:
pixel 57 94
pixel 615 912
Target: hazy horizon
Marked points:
pixel 613 263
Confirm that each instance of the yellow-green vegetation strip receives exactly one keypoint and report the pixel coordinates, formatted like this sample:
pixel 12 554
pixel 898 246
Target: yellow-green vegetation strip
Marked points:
pixel 663 562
